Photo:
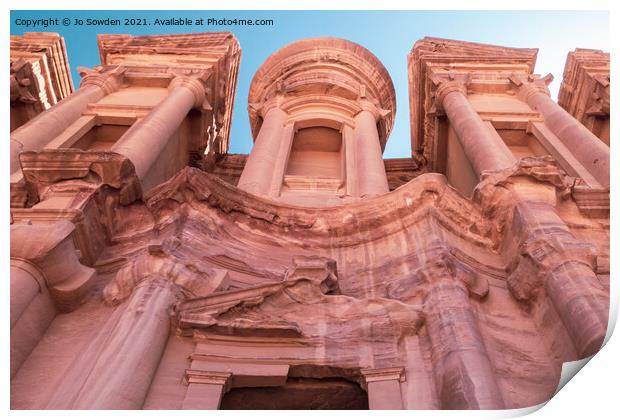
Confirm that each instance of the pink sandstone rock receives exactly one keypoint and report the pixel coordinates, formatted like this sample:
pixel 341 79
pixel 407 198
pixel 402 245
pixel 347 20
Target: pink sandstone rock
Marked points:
pixel 150 269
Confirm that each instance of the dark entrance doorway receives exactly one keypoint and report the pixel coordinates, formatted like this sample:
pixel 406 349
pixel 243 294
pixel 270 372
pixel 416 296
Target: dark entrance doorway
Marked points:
pixel 299 394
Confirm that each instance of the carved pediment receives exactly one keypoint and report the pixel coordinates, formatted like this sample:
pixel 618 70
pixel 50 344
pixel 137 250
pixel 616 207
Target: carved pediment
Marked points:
pixel 300 306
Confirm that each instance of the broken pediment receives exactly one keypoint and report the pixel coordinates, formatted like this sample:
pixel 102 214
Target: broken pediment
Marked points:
pixel 300 306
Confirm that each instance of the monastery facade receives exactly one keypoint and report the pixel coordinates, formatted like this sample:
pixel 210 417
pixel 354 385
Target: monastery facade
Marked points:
pixel 151 269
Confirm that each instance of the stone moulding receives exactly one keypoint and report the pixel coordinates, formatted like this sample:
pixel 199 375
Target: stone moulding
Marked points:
pixel 427 195
pixel 47 68
pixel 458 58
pixel 48 167
pixel 217 51
pixel 319 271
pixel 585 87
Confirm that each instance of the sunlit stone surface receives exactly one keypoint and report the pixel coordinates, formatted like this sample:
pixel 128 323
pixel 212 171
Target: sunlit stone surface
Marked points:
pixel 150 269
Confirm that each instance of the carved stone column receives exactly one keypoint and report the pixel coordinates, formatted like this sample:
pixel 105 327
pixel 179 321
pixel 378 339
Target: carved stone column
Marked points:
pixel 32 311
pixel 144 142
pixel 482 149
pixel 383 387
pixel 550 257
pixel 115 370
pixel 463 372
pixel 46 276
pixel 370 167
pixel 205 389
pixel 584 145
pixel 42 129
pixel 26 283
pixel 257 175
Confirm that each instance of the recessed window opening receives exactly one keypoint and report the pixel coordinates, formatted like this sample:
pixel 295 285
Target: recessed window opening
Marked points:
pixel 316 152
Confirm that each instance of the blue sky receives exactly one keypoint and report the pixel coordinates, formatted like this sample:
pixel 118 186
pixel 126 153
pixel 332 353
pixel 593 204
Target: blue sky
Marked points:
pixel 389 35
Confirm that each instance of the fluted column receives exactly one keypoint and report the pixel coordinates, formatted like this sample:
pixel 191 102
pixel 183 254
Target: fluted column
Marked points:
pixel 589 150
pixel 482 149
pixel 42 129
pixel 257 175
pixel 144 142
pixel 115 369
pixel 463 371
pixel 370 167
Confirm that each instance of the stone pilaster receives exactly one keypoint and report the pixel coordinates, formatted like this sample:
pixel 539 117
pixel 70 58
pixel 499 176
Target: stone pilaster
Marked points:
pixel 383 387
pixel 205 389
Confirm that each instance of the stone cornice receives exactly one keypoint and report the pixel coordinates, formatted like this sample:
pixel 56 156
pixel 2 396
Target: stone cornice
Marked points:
pixel 217 52
pixel 436 55
pixel 47 57
pixel 194 376
pixel 109 79
pixel 585 89
pixel 48 167
pixel 427 195
pixel 382 374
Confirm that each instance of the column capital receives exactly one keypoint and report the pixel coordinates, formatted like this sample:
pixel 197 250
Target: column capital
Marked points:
pixel 444 87
pixel 193 83
pixel 600 98
pixel 444 267
pixel 109 81
pixel 369 106
pixel 194 376
pixel 262 108
pixel 526 87
pixel 383 374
